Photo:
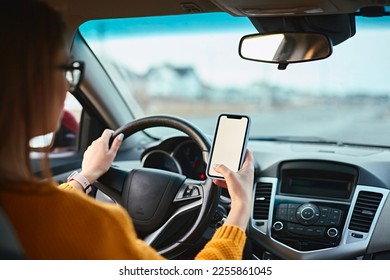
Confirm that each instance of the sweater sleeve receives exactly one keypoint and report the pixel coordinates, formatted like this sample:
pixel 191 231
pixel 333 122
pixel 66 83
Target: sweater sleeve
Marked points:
pixel 227 244
pixel 116 237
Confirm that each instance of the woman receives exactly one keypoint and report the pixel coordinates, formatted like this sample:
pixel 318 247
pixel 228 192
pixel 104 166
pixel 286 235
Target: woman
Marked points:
pixel 61 222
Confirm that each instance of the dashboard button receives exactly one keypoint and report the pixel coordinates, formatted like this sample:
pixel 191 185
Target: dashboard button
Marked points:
pixel 291 227
pixel 334 217
pixel 278 226
pixel 324 209
pixel 293 206
pixel 301 230
pixel 357 235
pixel 291 217
pixel 281 214
pixel 291 212
pixel 319 231
pixel 283 205
pixel 322 221
pixel 314 231
pixel 333 232
pixel 259 224
pixel 309 231
pixel 307 214
pixel 324 213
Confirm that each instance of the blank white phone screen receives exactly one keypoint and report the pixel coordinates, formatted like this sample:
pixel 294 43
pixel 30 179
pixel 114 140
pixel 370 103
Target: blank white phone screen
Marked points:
pixel 228 143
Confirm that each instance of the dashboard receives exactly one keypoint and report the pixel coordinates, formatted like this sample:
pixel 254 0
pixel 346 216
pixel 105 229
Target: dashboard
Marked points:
pixel 314 201
pixel 310 201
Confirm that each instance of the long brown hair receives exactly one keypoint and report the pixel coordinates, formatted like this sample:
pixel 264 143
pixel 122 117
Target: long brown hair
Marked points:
pixel 32 33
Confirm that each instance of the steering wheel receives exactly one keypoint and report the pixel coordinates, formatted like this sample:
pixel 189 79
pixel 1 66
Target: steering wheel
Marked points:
pixel 164 204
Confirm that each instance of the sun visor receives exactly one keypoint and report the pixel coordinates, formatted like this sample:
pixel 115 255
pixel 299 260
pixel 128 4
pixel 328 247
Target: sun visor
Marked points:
pixel 338 27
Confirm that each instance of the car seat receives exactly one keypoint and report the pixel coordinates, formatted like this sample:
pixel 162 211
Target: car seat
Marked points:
pixel 10 248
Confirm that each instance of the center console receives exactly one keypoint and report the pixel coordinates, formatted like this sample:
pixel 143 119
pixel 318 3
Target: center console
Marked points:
pixel 308 226
pixel 311 204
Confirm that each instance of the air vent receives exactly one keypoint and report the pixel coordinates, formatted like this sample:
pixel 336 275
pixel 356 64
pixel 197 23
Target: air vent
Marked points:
pixel 364 212
pixel 262 201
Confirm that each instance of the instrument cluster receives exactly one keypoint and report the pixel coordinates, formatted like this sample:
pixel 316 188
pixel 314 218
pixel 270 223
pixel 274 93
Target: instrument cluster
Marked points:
pixel 179 154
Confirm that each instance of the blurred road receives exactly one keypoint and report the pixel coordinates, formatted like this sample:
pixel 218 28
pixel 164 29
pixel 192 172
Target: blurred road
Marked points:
pixel 354 124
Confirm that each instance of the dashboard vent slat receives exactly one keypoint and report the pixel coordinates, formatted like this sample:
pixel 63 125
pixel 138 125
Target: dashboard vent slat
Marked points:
pixel 262 201
pixel 364 212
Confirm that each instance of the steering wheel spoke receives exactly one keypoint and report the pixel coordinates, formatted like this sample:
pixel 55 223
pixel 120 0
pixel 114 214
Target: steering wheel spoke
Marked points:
pixel 188 207
pixel 112 182
pixel 190 190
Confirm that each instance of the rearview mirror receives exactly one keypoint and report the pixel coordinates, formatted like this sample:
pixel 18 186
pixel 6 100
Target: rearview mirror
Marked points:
pixel 285 48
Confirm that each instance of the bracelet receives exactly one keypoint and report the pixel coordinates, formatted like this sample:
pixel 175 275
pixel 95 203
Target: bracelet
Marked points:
pixel 86 186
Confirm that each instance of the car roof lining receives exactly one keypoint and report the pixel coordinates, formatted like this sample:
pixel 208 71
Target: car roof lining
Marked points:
pixel 76 12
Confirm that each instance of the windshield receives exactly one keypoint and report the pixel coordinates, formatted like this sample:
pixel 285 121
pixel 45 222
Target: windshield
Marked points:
pixel 189 66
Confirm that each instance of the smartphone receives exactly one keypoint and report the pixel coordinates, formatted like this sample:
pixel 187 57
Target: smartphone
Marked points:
pixel 229 145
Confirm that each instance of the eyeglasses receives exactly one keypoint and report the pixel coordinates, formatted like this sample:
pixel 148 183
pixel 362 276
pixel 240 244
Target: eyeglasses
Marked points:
pixel 73 73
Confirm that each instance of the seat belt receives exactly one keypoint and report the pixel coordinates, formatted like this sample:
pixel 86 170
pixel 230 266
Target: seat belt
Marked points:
pixel 10 248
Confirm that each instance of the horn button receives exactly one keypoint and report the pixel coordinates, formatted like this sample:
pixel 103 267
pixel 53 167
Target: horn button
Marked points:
pixel 148 195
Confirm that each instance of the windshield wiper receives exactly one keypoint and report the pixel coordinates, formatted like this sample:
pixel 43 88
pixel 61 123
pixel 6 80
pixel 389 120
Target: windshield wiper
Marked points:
pixel 315 140
pixel 299 139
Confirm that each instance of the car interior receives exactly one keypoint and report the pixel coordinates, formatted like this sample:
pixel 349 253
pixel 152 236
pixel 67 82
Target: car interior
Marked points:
pixel 316 89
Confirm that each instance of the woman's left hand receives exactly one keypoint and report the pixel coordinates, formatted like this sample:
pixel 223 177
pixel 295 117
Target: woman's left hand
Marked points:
pixel 99 156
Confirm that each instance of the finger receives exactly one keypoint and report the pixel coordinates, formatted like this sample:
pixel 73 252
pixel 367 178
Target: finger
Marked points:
pixel 248 159
pixel 248 165
pixel 224 171
pixel 106 135
pixel 116 143
pixel 220 183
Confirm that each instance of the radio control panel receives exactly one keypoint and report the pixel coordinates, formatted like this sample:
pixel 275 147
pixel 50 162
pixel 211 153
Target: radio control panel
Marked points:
pixel 308 226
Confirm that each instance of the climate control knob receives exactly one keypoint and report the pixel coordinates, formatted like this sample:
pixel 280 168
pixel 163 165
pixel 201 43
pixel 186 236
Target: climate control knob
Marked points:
pixel 332 232
pixel 278 226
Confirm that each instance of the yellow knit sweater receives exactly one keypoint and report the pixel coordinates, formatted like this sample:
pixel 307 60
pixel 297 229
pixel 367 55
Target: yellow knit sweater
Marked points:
pixel 61 223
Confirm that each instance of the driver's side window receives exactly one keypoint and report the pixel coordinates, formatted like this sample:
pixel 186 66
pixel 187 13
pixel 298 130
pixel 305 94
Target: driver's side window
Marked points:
pixel 65 139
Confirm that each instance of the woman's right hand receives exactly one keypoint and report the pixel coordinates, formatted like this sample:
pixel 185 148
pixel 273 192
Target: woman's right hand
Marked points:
pixel 240 187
